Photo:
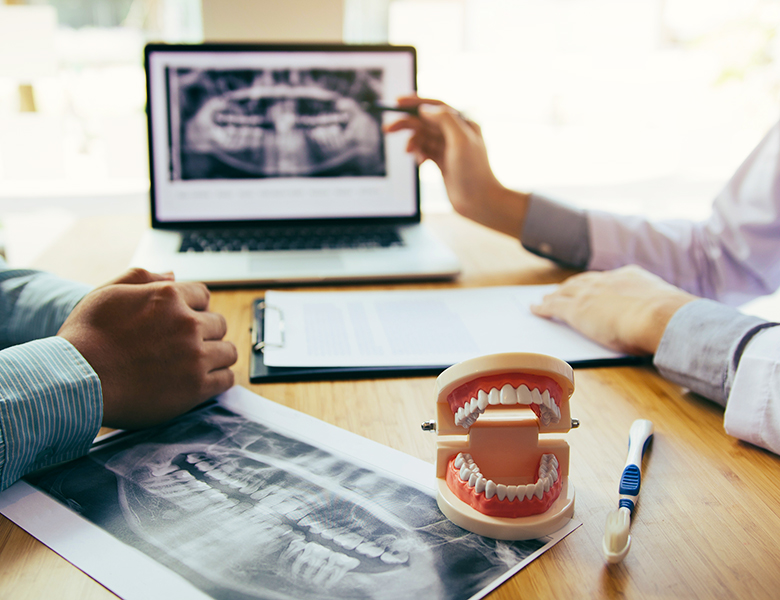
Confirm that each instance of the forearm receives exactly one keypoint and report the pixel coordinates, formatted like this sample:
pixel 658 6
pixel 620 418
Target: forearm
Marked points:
pixel 499 208
pixel 732 359
pixel 50 406
pixel 33 304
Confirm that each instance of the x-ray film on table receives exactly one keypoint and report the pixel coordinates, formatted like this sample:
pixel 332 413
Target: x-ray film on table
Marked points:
pixel 245 499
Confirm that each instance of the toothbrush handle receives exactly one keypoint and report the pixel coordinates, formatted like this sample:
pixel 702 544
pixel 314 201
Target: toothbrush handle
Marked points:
pixel 630 481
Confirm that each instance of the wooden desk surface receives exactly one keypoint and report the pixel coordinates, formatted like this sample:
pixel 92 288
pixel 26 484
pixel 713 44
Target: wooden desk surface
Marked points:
pixel 709 517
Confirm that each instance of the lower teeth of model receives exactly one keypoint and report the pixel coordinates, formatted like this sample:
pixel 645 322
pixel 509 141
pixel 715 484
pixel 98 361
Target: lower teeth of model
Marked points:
pixel 469 472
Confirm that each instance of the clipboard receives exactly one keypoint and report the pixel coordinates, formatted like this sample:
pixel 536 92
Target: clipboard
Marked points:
pixel 259 372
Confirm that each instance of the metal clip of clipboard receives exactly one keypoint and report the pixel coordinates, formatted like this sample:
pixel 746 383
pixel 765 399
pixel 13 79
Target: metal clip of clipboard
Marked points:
pixel 258 331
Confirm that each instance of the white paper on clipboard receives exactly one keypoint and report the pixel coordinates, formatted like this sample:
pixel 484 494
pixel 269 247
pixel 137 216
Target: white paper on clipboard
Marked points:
pixel 415 328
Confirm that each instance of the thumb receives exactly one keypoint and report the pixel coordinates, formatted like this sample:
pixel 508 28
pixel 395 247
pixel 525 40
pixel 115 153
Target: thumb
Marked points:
pixel 137 275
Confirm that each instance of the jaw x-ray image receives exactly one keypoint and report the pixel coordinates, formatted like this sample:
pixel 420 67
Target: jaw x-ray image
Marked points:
pixel 243 511
pixel 281 122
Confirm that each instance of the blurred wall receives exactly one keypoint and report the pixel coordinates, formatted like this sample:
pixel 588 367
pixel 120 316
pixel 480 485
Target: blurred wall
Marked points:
pixel 273 20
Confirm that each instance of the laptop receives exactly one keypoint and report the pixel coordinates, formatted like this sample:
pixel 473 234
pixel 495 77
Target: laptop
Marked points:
pixel 268 165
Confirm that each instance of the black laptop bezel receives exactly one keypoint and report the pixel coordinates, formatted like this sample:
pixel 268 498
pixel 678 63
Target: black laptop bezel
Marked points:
pixel 152 48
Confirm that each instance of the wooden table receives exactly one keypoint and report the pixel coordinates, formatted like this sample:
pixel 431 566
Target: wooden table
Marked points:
pixel 708 522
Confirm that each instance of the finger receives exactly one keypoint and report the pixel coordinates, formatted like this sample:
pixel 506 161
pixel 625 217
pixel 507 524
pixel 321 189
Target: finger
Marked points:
pixel 219 355
pixel 213 325
pixel 403 123
pixel 137 275
pixel 218 381
pixel 415 100
pixel 553 306
pixel 196 295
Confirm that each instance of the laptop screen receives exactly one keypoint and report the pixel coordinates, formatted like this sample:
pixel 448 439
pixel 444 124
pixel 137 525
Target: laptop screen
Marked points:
pixel 242 133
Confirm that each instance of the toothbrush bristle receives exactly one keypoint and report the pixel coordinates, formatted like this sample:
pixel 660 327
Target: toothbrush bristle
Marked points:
pixel 616 530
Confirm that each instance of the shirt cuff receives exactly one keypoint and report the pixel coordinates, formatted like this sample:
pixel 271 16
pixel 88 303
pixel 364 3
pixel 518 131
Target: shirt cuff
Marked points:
pixel 556 231
pixel 51 406
pixel 702 345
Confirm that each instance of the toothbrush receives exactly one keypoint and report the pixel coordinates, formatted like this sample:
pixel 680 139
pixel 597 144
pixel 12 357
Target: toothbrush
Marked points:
pixel 617 541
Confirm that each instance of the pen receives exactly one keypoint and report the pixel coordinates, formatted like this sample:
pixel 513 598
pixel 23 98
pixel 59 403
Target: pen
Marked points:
pixel 375 107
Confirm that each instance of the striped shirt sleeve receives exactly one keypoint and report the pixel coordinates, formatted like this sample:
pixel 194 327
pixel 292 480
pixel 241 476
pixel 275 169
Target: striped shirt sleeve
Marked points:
pixel 34 304
pixel 51 403
pixel 50 406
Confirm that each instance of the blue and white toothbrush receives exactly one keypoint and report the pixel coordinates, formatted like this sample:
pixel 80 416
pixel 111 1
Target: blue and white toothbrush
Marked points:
pixel 617 541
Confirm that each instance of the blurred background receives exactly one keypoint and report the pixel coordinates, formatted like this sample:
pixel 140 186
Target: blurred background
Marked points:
pixel 628 105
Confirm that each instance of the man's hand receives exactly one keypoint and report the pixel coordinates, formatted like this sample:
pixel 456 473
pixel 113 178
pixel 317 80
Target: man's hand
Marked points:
pixel 156 348
pixel 457 147
pixel 627 309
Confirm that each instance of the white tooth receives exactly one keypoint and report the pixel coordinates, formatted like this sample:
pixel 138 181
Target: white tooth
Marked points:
pixel 539 489
pixel 458 461
pixel 508 395
pixel 545 416
pixel 204 466
pixel 251 488
pixel 490 489
pixel 184 475
pixel 494 397
pixel 164 470
pixel 482 400
pixel 547 483
pixel 370 550
pixel 467 457
pixel 480 485
pixel 524 394
pixel 193 458
pixel 329 534
pixel 501 491
pixel 394 557
pixel 460 414
pixel 473 405
pixel 554 461
pixel 528 491
pixel 511 492
pixel 348 540
pixel 546 398
pixel 554 475
pixel 536 397
pixel 473 479
pixel 465 473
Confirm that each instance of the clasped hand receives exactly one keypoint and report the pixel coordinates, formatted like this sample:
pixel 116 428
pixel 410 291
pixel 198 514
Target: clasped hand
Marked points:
pixel 155 346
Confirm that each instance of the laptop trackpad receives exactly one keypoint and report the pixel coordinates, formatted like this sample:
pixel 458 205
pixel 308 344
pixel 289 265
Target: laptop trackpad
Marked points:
pixel 288 264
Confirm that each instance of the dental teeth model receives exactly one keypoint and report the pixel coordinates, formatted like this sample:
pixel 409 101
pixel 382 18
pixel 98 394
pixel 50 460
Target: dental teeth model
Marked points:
pixel 496 476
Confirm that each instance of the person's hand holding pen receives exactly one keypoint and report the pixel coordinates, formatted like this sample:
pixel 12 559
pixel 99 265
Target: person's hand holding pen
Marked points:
pixel 441 134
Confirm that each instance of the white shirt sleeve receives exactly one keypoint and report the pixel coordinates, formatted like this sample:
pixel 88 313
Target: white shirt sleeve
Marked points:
pixel 753 408
pixel 732 257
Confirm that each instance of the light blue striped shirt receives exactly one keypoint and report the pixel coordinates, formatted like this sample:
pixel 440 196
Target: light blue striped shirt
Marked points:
pixel 51 404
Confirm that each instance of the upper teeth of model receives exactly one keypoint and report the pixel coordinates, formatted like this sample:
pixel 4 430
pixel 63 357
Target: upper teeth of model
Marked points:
pixel 507 396
pixel 469 472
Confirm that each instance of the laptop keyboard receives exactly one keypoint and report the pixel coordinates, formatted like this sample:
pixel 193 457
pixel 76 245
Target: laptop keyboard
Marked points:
pixel 290 238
